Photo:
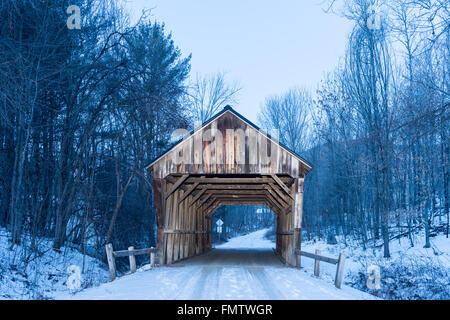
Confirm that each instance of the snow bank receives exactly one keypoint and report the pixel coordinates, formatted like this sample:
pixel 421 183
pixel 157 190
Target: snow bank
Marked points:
pixel 43 274
pixel 410 273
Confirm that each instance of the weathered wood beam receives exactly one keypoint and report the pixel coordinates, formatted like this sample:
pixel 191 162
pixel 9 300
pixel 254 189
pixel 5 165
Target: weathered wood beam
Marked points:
pixel 218 180
pixel 203 200
pixel 211 204
pixel 251 195
pixel 134 252
pixel 197 196
pixel 204 177
pixel 172 179
pixel 176 185
pixel 276 198
pixel 275 206
pixel 231 186
pixel 240 198
pixel 213 208
pixel 188 192
pixel 280 194
pixel 261 192
pixel 282 185
pixel 260 199
pixel 208 203
pixel 237 192
pixel 317 257
pixel 243 202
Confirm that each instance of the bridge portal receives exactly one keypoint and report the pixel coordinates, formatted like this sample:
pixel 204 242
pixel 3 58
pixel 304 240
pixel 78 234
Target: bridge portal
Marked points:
pixel 227 161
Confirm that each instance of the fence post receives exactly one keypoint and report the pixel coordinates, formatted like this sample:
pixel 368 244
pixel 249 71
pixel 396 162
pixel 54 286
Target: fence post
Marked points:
pixel 111 260
pixel 152 259
pixel 317 265
pixel 132 260
pixel 339 271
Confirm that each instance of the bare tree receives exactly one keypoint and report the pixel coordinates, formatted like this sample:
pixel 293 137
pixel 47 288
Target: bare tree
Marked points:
pixel 290 114
pixel 210 93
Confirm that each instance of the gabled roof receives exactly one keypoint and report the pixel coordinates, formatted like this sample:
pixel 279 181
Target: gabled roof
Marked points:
pixel 228 108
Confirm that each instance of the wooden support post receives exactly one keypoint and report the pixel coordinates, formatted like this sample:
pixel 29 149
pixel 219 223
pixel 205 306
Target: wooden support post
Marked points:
pixel 340 271
pixel 152 259
pixel 111 260
pixel 317 265
pixel 298 243
pixel 132 260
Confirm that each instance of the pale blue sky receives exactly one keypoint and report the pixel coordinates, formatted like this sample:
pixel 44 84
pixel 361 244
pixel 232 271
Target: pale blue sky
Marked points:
pixel 266 46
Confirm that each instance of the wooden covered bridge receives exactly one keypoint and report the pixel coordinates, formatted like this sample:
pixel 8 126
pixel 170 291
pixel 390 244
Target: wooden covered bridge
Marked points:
pixel 227 161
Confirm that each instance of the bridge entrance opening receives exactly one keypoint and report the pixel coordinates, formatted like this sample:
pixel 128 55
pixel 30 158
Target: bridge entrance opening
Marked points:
pixel 240 221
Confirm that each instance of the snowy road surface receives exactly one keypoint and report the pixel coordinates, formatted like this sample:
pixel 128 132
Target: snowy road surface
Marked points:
pixel 245 268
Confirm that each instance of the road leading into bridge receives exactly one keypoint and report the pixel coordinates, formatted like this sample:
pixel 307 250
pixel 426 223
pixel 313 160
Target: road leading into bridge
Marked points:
pixel 245 268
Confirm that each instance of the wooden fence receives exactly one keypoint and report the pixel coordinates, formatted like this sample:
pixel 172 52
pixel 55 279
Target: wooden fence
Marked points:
pixel 130 253
pixel 317 258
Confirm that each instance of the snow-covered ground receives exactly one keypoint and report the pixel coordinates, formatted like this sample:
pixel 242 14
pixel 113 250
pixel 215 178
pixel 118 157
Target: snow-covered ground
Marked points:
pixel 254 240
pixel 245 268
pixel 410 273
pixel 26 275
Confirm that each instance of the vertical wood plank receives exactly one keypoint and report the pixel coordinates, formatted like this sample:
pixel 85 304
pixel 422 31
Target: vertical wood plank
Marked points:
pixel 198 152
pixel 169 225
pixel 185 226
pixel 175 225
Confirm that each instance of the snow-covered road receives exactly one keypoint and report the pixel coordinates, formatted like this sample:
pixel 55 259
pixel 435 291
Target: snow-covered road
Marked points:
pixel 245 268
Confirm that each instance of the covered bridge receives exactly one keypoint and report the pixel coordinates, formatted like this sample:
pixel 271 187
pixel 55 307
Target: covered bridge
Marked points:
pixel 227 161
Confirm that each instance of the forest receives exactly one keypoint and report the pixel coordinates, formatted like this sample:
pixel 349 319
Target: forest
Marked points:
pixel 84 110
pixel 377 129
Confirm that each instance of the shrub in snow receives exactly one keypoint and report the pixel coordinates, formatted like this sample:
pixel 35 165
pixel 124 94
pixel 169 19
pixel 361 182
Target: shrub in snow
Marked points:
pixel 408 278
pixel 331 239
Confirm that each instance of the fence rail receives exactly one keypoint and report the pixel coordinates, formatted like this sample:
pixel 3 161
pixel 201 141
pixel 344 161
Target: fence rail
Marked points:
pixel 130 253
pixel 317 258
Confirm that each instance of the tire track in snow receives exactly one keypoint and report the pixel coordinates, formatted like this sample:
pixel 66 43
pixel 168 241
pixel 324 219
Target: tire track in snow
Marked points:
pixel 203 288
pixel 189 281
pixel 270 290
